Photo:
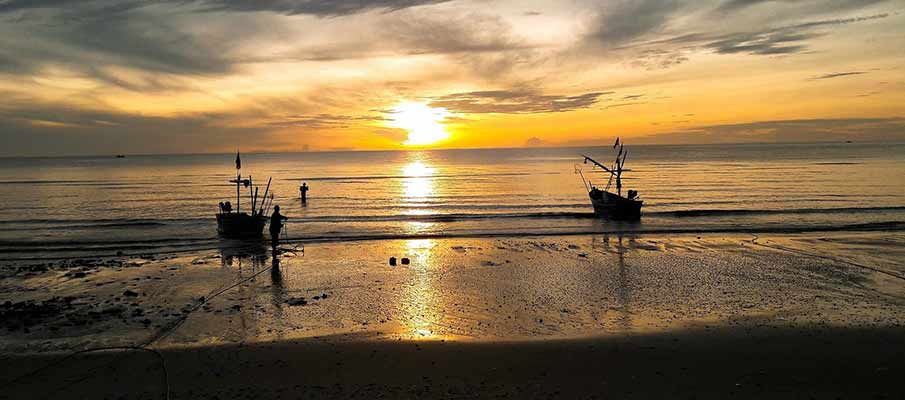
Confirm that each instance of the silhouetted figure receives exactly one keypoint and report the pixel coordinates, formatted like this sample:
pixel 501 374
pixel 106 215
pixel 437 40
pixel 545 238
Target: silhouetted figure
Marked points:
pixel 226 207
pixel 276 226
pixel 303 190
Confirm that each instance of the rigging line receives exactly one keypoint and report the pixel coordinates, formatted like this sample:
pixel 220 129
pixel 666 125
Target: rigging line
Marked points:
pixel 162 334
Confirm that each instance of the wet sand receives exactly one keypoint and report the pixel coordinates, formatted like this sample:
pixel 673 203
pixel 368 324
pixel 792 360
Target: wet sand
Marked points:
pixel 563 317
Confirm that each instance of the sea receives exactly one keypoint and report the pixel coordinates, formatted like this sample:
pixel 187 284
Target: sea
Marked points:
pixel 74 207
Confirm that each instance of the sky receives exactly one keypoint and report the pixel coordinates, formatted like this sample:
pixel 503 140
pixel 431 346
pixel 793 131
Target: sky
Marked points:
pixel 196 76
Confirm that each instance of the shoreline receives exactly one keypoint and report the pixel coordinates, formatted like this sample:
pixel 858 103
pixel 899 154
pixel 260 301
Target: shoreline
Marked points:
pixel 192 245
pixel 466 298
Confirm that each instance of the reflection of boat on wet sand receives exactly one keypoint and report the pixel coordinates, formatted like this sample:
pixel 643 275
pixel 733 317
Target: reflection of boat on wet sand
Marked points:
pixel 238 223
pixel 613 205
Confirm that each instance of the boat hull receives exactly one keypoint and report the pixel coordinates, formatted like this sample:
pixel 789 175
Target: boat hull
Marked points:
pixel 612 206
pixel 240 225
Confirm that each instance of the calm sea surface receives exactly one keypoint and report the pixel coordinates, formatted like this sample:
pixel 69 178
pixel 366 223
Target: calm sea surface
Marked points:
pixel 91 206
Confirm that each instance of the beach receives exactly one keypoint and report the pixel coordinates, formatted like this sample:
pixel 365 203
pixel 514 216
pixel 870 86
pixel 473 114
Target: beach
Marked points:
pixel 452 199
pixel 563 316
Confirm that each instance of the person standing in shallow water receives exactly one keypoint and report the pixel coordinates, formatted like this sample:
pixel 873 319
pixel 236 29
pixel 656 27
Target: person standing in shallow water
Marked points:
pixel 276 226
pixel 303 191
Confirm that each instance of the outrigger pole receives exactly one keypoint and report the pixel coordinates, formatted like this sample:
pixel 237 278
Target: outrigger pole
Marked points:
pixel 586 159
pixel 264 199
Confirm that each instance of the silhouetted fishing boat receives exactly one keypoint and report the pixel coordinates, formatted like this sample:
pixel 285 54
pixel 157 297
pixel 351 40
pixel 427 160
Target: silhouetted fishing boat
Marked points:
pixel 613 205
pixel 239 224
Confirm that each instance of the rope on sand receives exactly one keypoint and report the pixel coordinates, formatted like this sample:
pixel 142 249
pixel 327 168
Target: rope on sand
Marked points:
pixel 163 363
pixel 160 335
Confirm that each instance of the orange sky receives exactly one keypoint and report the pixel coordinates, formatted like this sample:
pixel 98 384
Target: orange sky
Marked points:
pixel 101 77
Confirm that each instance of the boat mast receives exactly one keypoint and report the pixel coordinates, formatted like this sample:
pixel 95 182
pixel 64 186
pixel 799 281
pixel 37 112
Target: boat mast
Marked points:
pixel 238 180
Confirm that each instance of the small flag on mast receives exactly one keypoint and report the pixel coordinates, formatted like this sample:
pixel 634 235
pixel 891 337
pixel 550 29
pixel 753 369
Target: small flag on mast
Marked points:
pixel 238 161
pixel 617 143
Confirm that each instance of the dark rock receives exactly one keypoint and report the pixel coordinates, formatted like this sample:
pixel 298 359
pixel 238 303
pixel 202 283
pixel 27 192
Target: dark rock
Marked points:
pixel 129 293
pixel 393 261
pixel 405 261
pixel 297 301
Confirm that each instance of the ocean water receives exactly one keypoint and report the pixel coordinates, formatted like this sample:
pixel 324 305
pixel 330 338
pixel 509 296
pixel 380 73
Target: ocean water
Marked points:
pixel 95 206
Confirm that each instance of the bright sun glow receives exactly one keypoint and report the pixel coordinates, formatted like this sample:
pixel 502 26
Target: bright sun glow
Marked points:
pixel 423 123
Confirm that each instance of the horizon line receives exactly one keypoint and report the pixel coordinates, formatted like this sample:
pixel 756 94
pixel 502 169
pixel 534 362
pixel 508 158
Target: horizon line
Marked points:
pixel 108 155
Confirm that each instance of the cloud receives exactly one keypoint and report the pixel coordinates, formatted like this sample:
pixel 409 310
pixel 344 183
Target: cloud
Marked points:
pixel 656 35
pixel 62 130
pixel 468 33
pixel 783 40
pixel 762 43
pixel 617 105
pixel 29 126
pixel 838 74
pixel 321 121
pixel 93 40
pixel 325 8
pixel 519 101
pixel 195 38
pixel 626 20
pixel 788 131
pixel 825 6
pixel 535 141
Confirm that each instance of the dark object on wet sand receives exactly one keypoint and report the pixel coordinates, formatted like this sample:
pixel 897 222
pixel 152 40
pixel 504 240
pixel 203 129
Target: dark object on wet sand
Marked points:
pixel 297 301
pixel 239 224
pixel 120 156
pixel 405 261
pixel 393 261
pixel 613 205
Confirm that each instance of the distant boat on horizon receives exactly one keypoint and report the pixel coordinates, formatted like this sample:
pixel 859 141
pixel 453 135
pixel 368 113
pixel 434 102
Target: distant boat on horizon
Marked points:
pixel 120 156
pixel 613 205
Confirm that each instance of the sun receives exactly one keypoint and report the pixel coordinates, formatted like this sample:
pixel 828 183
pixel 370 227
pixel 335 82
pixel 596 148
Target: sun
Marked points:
pixel 423 123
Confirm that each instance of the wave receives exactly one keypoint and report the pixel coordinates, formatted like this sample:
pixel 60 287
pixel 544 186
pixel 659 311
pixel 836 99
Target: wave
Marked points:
pixel 719 212
pixel 624 229
pixel 92 250
pixel 446 217
pixel 28 224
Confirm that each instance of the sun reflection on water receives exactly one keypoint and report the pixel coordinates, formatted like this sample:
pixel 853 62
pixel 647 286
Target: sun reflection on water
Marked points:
pixel 418 181
pixel 416 227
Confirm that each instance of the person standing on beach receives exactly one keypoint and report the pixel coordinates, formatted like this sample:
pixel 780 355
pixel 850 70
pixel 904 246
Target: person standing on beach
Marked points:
pixel 276 226
pixel 303 190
